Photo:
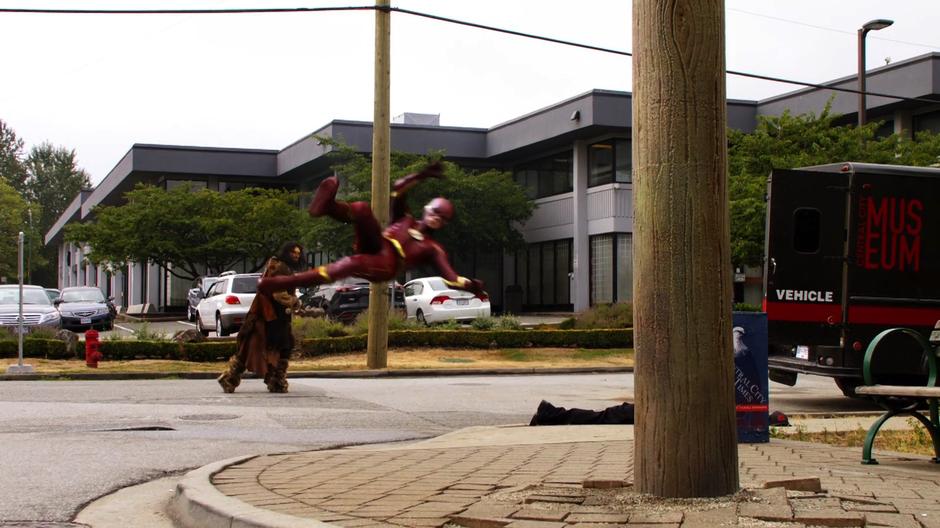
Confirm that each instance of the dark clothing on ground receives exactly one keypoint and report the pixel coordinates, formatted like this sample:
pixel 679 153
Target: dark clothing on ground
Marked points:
pixel 548 414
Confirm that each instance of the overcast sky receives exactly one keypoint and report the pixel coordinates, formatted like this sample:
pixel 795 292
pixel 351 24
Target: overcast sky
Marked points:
pixel 100 83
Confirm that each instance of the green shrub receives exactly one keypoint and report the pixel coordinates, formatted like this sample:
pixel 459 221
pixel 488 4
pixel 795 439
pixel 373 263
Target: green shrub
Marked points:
pixel 483 323
pixel 34 347
pixel 208 351
pixel 314 327
pixel 617 315
pixel 567 324
pixel 130 349
pixel 438 338
pixel 508 322
pixel 42 332
pixel 744 307
pixel 144 333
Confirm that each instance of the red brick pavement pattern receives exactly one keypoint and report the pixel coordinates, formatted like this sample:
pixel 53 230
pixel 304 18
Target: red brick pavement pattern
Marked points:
pixel 556 485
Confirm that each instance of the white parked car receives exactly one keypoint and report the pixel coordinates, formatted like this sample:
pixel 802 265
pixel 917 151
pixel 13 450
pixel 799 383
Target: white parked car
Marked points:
pixel 431 300
pixel 226 304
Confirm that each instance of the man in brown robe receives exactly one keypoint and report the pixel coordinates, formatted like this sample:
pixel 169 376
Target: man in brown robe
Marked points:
pixel 265 340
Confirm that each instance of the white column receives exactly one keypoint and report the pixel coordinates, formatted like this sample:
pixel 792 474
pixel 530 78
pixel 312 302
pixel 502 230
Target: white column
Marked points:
pixel 580 247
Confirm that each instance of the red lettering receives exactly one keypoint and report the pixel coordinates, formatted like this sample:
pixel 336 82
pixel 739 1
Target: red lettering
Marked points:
pixel 910 254
pixel 914 208
pixel 889 233
pixel 897 215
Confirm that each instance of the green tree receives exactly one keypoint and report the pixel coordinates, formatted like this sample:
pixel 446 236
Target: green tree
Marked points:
pixel 12 215
pixel 12 169
pixel 788 141
pixel 488 204
pixel 187 232
pixel 53 180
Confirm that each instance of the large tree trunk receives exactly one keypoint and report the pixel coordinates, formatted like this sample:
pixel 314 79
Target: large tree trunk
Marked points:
pixel 685 421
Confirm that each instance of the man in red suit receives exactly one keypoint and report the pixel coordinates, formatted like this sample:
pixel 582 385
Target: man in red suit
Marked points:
pixel 381 255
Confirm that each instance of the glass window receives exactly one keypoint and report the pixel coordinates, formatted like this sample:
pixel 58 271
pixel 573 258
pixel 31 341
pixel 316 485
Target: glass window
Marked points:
pixel 437 285
pixel 547 176
pixel 535 275
pixel 84 294
pixel 194 185
pixel 623 158
pixel 624 267
pixel 928 121
pixel 610 161
pixel 548 274
pixel 601 164
pixel 562 269
pixel 602 262
pixel 245 284
pixel 806 227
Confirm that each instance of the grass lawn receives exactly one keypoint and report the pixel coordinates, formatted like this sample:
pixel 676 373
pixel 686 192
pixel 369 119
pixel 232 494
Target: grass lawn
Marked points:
pixel 398 358
pixel 915 440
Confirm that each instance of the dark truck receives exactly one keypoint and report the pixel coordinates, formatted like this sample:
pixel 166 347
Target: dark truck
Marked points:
pixel 852 249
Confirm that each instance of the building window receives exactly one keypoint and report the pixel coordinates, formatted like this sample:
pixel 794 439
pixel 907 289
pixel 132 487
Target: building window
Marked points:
pixel 602 269
pixel 609 162
pixel 927 121
pixel 543 269
pixel 194 185
pixel 546 176
pixel 611 268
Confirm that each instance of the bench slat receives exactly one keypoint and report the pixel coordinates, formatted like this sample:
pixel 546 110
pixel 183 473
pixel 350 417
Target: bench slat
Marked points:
pixel 899 390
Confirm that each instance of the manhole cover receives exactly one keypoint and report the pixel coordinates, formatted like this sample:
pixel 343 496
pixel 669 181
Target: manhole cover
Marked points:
pixel 208 417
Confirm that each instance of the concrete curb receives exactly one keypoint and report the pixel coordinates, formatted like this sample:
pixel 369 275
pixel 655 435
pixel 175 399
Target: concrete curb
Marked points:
pixel 198 504
pixel 383 373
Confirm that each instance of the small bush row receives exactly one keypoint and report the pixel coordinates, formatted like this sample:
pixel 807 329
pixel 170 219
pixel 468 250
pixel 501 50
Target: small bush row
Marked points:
pixel 221 350
pixel 122 350
pixel 605 338
pixel 35 347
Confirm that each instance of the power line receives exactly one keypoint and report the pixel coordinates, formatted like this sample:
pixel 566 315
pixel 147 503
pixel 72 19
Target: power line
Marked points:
pixel 228 11
pixel 834 30
pixel 628 54
pixel 440 19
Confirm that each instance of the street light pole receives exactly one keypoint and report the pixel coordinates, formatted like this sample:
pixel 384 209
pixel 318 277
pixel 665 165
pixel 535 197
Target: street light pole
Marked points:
pixel 873 25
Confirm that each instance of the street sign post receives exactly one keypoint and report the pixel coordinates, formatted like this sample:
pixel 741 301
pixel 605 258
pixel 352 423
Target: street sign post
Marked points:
pixel 20 368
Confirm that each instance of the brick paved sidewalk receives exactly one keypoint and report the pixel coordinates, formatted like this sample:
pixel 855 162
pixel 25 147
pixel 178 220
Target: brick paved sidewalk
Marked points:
pixel 582 484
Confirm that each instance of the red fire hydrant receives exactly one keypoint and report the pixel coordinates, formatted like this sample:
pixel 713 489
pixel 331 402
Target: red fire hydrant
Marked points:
pixel 92 348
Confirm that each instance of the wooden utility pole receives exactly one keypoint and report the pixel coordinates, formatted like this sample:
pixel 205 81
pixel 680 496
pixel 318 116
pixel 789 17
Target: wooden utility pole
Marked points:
pixel 685 418
pixel 377 351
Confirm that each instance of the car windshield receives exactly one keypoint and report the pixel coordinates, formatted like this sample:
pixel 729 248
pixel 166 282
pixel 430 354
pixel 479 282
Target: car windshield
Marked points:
pixel 244 284
pixel 30 296
pixel 89 295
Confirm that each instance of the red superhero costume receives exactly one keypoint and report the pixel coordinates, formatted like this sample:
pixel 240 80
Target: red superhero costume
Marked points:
pixel 381 255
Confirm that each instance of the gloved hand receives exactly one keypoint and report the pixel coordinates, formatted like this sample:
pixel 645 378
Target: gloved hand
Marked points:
pixel 434 170
pixel 474 286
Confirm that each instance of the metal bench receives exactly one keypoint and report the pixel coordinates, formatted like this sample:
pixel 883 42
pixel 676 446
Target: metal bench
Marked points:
pixel 899 400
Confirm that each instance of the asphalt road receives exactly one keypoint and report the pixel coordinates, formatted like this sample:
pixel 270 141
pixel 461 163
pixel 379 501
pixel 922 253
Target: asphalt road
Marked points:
pixel 66 443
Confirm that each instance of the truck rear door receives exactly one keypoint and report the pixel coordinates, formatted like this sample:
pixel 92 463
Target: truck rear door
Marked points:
pixel 894 271
pixel 805 256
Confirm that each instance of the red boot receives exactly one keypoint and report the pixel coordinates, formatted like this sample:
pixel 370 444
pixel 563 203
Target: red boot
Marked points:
pixel 324 202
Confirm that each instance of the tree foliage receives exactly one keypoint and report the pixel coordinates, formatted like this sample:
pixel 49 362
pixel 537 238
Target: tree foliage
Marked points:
pixel 190 232
pixel 788 141
pixel 11 158
pixel 488 204
pixel 12 216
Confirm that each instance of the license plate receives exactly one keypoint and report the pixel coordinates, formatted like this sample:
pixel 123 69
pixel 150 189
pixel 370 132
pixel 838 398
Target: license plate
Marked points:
pixel 86 320
pixel 461 302
pixel 802 352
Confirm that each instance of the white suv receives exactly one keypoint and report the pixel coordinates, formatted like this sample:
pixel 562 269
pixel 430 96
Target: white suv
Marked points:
pixel 226 304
